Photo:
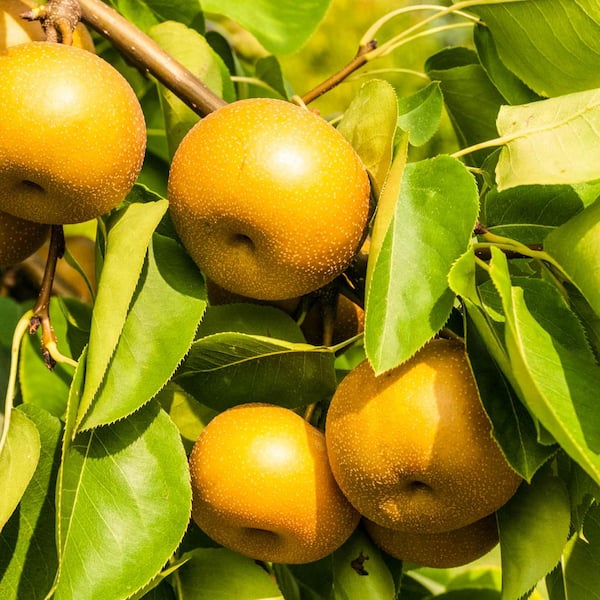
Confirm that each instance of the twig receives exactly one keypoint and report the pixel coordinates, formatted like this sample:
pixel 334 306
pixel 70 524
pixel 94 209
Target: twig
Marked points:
pixel 143 52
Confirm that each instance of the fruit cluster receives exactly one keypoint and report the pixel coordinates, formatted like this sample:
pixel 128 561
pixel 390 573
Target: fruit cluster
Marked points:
pixel 410 451
pixel 272 203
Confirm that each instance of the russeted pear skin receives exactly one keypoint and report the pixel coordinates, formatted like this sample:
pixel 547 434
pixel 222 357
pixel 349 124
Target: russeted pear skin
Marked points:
pixel 269 199
pixel 262 486
pixel 442 550
pixel 72 134
pixel 19 238
pixel 412 449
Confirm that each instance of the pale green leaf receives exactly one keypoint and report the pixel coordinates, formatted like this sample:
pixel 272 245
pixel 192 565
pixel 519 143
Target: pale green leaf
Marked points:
pixel 408 297
pixel 576 247
pixel 125 502
pixel 421 113
pixel 533 528
pixel 555 371
pixel 359 571
pixel 190 49
pixel 158 331
pixel 551 45
pixel 18 461
pixel 220 574
pixel 282 26
pixel 129 233
pixel 225 369
pixel 28 561
pixel 552 141
pixel 386 205
pixel 369 124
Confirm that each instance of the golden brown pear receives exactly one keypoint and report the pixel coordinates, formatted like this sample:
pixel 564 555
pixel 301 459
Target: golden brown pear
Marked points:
pixel 72 134
pixel 262 486
pixel 19 238
pixel 15 30
pixel 438 550
pixel 268 198
pixel 412 449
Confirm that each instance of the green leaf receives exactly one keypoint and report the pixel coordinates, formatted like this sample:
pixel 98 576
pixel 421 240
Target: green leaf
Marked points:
pixel 146 13
pixel 253 319
pixel 129 234
pixel 533 528
pixel 158 331
pixel 529 213
pixel 220 574
pixel 281 26
pixel 124 504
pixel 29 560
pixel 369 124
pixel 552 141
pixel 192 51
pixel 582 561
pixel 471 99
pixel 268 70
pixel 576 246
pixel 359 571
pixel 226 369
pixel 408 297
pixel 506 82
pixel 18 461
pixel 554 369
pixel 553 46
pixel 512 425
pixel 421 113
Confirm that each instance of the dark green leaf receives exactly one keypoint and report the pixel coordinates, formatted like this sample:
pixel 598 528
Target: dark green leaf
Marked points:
pixel 529 213
pixel 533 527
pixel 507 83
pixel 408 297
pixel 253 319
pixel 582 561
pixel 268 70
pixel 226 369
pixel 471 99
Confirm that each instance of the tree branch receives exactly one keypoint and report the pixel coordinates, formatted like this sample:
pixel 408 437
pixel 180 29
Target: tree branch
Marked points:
pixel 143 52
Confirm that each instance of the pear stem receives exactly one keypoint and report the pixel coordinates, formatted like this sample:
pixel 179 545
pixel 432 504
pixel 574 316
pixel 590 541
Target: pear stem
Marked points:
pixel 40 316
